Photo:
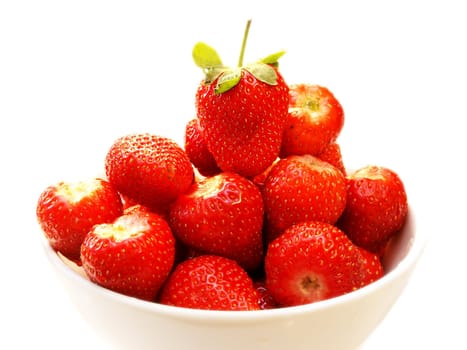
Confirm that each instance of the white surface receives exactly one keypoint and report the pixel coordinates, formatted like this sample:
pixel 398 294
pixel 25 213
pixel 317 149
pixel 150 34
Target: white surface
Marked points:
pixel 132 324
pixel 76 75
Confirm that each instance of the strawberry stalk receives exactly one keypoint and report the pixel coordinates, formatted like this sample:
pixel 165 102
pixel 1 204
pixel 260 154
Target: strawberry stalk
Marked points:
pixel 225 77
pixel 245 38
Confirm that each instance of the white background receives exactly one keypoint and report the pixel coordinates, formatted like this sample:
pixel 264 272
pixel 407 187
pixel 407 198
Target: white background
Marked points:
pixel 74 75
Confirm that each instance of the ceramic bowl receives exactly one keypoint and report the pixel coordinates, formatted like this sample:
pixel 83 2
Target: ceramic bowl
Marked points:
pixel 339 323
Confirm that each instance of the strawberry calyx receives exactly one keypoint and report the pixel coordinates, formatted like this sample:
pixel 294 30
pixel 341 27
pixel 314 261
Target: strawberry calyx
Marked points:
pixel 207 58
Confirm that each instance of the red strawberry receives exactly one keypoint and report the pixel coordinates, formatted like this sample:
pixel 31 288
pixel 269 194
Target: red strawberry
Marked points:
pixel 151 170
pixel 302 188
pixel 68 210
pixel 333 155
pixel 260 179
pixel 266 300
pixel 311 261
pixel 128 202
pixel 197 150
pixel 315 119
pixel 376 207
pixel 210 282
pixel 371 265
pixel 221 215
pixel 133 255
pixel 242 111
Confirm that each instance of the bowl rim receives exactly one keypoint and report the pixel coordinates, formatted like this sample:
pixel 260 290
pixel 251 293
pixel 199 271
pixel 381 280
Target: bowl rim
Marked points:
pixel 417 244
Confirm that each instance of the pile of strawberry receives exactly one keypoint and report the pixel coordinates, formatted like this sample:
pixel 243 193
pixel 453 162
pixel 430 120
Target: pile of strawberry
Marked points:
pixel 256 211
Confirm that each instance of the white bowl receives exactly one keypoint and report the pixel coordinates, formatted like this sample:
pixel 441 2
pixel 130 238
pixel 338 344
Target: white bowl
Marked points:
pixel 340 323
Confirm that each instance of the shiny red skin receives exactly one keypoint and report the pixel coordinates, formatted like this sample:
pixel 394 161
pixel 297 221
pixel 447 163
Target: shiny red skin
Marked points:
pixel 266 300
pixel 197 150
pixel 312 261
pixel 333 155
pixel 65 222
pixel 315 119
pixel 260 179
pixel 149 169
pixel 222 215
pixel 243 126
pixel 302 188
pixel 371 265
pixel 137 265
pixel 210 282
pixel 376 207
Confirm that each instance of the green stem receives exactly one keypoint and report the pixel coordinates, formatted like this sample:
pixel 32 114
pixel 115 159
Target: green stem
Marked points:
pixel 245 37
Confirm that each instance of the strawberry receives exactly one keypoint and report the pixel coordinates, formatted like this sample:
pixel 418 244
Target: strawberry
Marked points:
pixel 260 179
pixel 210 282
pixel 221 215
pixel 371 265
pixel 197 149
pixel 242 111
pixel 332 154
pixel 132 255
pixel 149 169
pixel 311 261
pixel 302 188
pixel 66 212
pixel 266 300
pixel 376 207
pixel 315 119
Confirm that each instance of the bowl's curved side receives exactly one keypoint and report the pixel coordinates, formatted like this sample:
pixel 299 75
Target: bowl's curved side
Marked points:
pixel 339 323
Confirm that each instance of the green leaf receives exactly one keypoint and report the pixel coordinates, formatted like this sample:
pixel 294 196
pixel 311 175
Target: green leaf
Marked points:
pixel 212 73
pixel 205 56
pixel 263 72
pixel 272 59
pixel 228 80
